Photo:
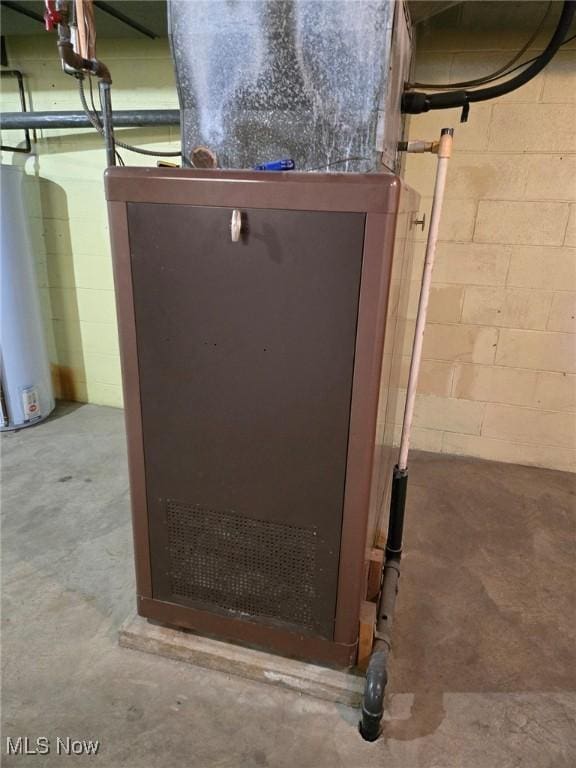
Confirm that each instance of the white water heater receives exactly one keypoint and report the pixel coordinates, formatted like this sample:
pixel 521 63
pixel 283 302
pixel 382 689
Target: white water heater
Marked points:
pixel 27 396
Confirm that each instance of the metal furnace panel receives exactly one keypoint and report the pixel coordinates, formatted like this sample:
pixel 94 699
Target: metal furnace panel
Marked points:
pixel 246 357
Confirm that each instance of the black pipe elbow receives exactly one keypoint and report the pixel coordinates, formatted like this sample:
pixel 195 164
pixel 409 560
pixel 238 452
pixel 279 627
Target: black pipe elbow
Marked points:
pixel 98 68
pixel 416 102
pixel 373 699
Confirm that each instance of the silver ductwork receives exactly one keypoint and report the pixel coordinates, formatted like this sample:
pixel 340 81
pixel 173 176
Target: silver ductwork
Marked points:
pixel 318 81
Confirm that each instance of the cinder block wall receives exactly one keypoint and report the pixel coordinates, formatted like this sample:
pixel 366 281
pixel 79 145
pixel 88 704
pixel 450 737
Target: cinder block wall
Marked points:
pixel 498 378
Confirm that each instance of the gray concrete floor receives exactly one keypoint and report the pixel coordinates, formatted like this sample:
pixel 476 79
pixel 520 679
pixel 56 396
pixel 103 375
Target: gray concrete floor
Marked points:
pixel 484 672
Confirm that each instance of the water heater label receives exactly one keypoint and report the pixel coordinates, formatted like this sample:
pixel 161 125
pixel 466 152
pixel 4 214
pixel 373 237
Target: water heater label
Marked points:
pixel 31 404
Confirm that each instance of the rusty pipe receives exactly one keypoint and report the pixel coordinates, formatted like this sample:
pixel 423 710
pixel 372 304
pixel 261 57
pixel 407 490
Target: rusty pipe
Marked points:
pixel 74 62
pixel 58 15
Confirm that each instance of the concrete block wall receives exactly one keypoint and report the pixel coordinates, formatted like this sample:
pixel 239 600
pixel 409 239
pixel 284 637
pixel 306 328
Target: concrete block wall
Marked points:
pixel 499 372
pixel 498 378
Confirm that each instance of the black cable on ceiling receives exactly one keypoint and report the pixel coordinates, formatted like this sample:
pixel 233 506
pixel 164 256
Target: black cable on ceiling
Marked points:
pixel 529 61
pixel 534 58
pixel 416 102
pixel 499 73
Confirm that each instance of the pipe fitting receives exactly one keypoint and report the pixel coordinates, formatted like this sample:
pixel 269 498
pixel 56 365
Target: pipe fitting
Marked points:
pixel 418 146
pixel 374 691
pixel 377 672
pixel 73 63
pixel 57 13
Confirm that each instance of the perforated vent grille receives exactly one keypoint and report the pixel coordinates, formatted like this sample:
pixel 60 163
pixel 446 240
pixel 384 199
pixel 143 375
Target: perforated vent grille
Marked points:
pixel 250 566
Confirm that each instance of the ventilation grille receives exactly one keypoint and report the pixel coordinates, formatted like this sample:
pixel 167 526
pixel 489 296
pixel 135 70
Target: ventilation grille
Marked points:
pixel 238 564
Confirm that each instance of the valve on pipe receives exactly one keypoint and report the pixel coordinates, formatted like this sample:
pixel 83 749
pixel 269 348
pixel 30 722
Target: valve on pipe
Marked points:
pixel 59 16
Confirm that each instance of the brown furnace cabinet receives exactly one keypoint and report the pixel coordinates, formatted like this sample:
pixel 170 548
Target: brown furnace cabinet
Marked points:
pixel 255 394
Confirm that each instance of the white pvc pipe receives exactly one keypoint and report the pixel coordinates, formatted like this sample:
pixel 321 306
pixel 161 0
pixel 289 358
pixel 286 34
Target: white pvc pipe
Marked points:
pixel 444 152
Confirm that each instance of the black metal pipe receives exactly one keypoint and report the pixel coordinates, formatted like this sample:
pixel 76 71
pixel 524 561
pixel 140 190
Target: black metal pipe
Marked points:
pixel 107 127
pixel 397 506
pixel 116 14
pixel 123 118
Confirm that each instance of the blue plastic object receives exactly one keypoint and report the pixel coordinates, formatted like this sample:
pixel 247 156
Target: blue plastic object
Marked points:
pixel 276 165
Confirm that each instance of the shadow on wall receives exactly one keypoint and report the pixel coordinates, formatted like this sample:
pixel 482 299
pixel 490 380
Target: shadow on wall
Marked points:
pixel 52 248
pixel 45 201
pixel 70 260
pixel 68 369
pixel 88 140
